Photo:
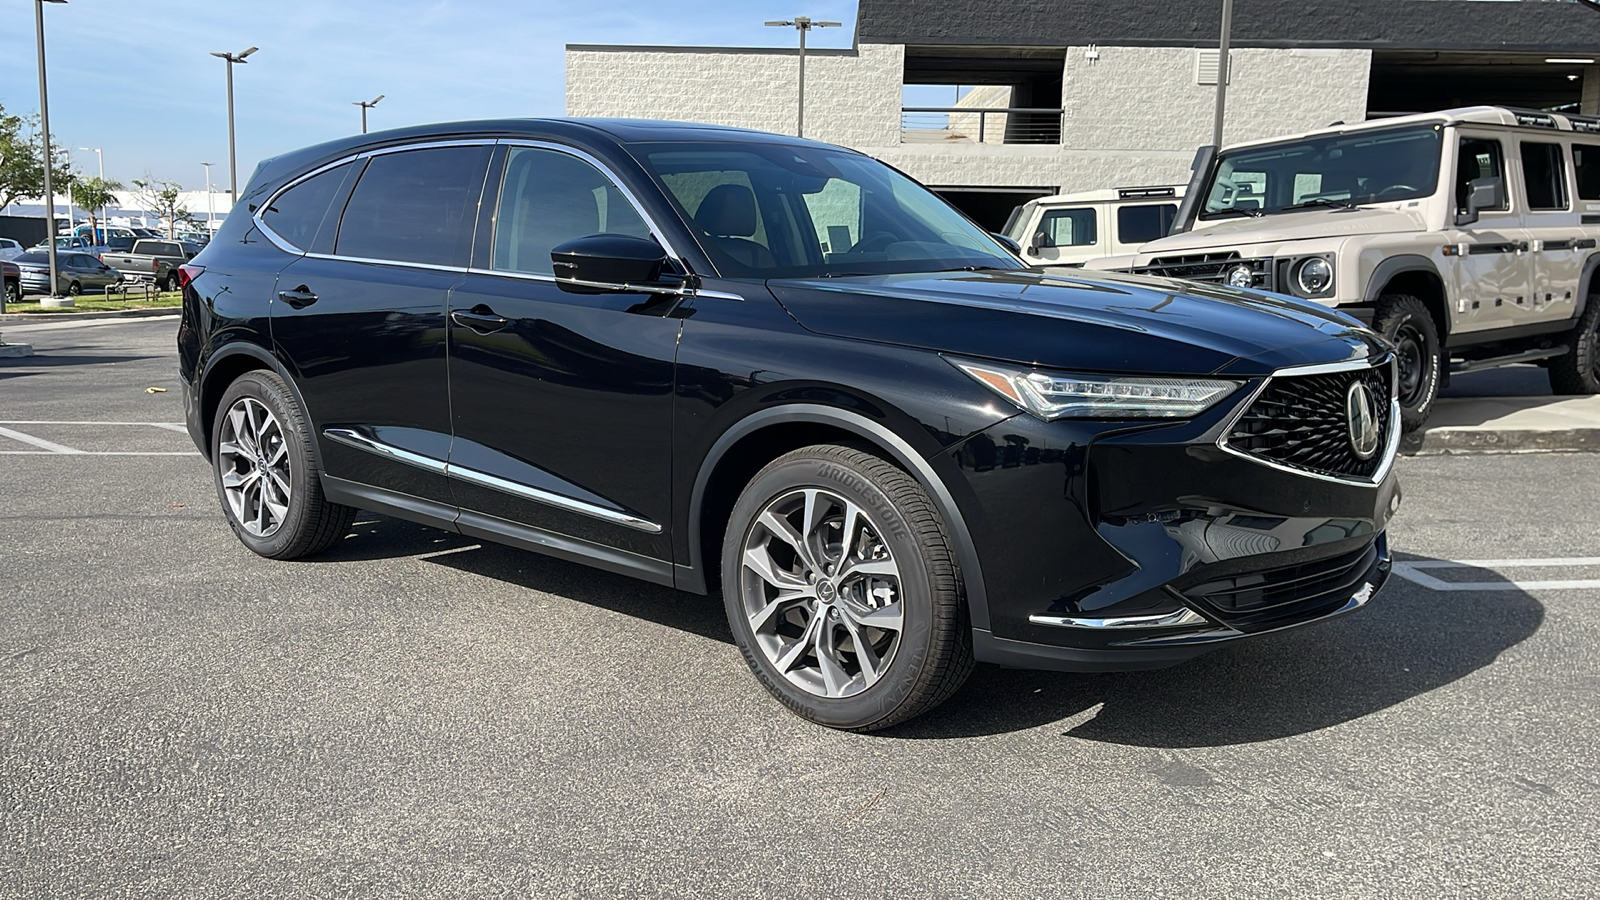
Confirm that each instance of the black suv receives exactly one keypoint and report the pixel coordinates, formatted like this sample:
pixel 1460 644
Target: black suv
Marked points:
pixel 714 358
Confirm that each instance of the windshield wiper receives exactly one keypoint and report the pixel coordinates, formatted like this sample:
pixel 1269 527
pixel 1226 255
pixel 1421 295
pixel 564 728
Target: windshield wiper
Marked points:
pixel 1322 201
pixel 1233 211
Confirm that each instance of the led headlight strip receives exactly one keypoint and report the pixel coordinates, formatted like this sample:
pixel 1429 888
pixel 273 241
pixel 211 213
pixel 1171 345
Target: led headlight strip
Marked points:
pixel 1061 395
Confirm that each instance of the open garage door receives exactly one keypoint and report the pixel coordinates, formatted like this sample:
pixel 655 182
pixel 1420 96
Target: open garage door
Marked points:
pixel 991 206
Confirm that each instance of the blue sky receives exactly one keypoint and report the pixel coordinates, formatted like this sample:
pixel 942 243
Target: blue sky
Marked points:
pixel 137 79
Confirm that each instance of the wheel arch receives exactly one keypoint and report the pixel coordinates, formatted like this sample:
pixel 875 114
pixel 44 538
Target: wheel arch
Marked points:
pixel 1417 276
pixel 1586 284
pixel 765 435
pixel 225 367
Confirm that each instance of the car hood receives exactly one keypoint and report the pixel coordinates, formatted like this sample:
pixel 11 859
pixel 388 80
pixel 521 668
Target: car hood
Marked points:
pixel 1295 226
pixel 1100 321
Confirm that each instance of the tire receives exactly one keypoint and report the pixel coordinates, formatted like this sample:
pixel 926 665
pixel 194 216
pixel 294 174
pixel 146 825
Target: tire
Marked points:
pixel 260 428
pixel 1578 371
pixel 74 289
pixel 801 619
pixel 1408 324
pixel 171 282
pixel 13 292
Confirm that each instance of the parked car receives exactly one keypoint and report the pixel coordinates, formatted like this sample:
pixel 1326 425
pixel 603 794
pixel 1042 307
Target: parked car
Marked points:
pixel 10 249
pixel 1467 237
pixel 11 275
pixel 1071 229
pixel 64 242
pixel 623 343
pixel 76 272
pixel 151 260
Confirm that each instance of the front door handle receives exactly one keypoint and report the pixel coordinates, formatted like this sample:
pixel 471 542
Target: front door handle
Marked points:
pixel 299 298
pixel 480 318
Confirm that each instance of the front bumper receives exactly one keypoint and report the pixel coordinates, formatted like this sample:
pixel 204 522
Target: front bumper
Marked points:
pixel 1109 546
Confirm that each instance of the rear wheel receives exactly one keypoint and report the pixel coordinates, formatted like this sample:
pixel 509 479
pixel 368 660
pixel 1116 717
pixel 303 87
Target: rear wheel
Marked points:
pixel 13 292
pixel 1578 372
pixel 74 289
pixel 171 283
pixel 1408 324
pixel 842 590
pixel 266 472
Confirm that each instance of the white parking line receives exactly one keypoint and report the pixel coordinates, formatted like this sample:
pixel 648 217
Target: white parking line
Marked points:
pixel 1413 572
pixel 51 448
pixel 36 442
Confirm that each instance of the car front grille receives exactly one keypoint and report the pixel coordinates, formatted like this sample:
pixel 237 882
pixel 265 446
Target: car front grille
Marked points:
pixel 1265 599
pixel 1208 267
pixel 1303 421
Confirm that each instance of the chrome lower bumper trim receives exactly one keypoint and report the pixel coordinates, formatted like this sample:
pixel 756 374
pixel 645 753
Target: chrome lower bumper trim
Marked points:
pixel 1161 620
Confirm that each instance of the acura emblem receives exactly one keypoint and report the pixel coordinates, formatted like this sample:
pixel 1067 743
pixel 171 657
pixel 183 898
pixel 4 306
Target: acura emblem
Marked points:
pixel 1363 420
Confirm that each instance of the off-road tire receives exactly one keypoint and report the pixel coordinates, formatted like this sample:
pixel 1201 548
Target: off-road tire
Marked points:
pixel 1578 370
pixel 934 654
pixel 1408 324
pixel 312 523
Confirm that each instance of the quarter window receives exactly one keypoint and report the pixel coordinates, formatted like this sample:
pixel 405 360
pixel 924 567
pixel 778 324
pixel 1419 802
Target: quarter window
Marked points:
pixel 1067 228
pixel 1544 175
pixel 548 198
pixel 1479 158
pixel 1142 224
pixel 296 214
pixel 415 206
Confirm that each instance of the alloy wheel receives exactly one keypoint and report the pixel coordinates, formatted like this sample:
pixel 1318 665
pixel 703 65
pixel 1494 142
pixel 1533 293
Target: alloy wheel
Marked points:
pixel 822 593
pixel 253 458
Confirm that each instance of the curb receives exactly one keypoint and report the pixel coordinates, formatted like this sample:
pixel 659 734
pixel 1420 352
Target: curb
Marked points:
pixel 20 318
pixel 15 351
pixel 1452 441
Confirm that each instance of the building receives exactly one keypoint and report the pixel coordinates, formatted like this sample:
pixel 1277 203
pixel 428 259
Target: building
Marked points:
pixel 1082 94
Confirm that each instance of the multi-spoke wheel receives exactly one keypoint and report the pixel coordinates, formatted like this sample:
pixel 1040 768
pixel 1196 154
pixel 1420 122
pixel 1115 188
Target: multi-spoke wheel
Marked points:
pixel 1406 322
pixel 841 589
pixel 266 472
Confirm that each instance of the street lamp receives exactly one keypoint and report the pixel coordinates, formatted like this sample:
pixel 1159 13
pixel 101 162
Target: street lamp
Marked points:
pixel 802 24
pixel 101 157
pixel 366 105
pixel 233 160
pixel 211 226
pixel 44 124
pixel 1222 73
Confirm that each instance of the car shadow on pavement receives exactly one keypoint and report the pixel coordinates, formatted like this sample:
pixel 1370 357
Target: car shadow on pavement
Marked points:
pixel 1409 641
pixel 54 360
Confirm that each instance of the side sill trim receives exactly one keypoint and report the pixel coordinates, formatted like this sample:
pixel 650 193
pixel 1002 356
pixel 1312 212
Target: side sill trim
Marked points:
pixel 1161 620
pixel 360 441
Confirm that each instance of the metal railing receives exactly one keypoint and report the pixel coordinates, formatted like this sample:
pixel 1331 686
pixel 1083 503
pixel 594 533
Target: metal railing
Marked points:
pixel 977 125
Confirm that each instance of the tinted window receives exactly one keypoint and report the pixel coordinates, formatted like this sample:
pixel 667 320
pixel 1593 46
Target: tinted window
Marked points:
pixel 416 206
pixel 1479 158
pixel 1586 166
pixel 1140 224
pixel 1067 228
pixel 296 213
pixel 548 198
pixel 1544 175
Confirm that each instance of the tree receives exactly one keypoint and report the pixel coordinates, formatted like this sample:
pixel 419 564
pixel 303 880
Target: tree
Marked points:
pixel 22 159
pixel 94 194
pixel 161 197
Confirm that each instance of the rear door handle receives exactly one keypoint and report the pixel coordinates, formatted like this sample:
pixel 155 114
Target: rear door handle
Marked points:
pixel 480 318
pixel 299 298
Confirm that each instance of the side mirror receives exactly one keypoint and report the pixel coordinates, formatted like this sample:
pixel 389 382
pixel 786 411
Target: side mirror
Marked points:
pixel 1007 243
pixel 1482 193
pixel 600 262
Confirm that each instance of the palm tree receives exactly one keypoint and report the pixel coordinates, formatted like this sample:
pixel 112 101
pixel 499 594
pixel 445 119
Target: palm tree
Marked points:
pixel 94 194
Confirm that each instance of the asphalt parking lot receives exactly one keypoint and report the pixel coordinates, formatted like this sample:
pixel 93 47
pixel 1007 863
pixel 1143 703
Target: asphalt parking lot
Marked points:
pixel 418 714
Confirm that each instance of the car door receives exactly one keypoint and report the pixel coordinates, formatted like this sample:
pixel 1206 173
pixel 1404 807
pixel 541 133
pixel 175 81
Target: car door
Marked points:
pixel 361 324
pixel 561 402
pixel 1555 234
pixel 1492 274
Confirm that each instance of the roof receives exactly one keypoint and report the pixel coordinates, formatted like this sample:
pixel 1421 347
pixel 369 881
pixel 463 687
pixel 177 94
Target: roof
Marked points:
pixel 1553 28
pixel 1475 115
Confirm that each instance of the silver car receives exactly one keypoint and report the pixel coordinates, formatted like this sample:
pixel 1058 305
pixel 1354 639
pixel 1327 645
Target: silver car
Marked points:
pixel 75 273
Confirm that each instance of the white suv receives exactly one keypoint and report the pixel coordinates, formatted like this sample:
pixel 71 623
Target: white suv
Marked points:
pixel 1071 229
pixel 1467 237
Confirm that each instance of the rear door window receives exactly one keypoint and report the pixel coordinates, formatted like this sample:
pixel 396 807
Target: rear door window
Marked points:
pixel 415 206
pixel 1586 167
pixel 1067 228
pixel 1142 224
pixel 1544 175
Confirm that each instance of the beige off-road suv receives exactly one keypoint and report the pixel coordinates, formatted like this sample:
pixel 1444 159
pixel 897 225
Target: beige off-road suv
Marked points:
pixel 1467 237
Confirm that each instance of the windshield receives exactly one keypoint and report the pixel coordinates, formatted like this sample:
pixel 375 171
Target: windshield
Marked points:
pixel 786 211
pixel 1337 170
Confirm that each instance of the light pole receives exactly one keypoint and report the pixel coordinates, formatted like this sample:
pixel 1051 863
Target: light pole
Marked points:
pixel 1223 70
pixel 366 105
pixel 101 158
pixel 44 125
pixel 211 226
pixel 802 24
pixel 233 159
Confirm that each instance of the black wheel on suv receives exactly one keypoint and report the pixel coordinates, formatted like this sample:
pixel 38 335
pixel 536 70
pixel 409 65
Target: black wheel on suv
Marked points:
pixel 1406 322
pixel 1578 372
pixel 842 590
pixel 266 472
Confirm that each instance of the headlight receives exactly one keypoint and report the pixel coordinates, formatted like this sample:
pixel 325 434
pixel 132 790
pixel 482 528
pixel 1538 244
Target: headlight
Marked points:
pixel 1313 276
pixel 1060 395
pixel 1242 277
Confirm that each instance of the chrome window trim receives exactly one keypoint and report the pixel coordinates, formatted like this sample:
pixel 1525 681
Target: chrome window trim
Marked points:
pixel 1390 452
pixel 1183 616
pixel 352 438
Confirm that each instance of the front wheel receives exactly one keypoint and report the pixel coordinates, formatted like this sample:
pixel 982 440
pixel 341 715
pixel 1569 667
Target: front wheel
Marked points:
pixel 265 468
pixel 1578 372
pixel 13 292
pixel 1408 324
pixel 842 590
